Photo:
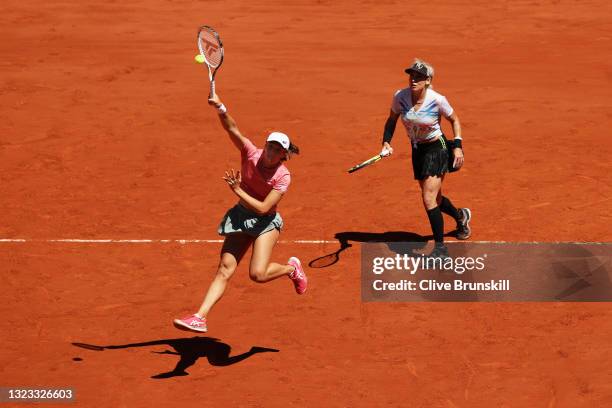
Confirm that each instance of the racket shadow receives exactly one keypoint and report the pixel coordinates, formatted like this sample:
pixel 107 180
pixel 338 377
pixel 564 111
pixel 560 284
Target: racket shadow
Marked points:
pixel 391 237
pixel 189 351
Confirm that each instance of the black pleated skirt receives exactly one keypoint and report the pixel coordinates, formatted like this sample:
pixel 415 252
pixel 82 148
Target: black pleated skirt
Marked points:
pixel 430 159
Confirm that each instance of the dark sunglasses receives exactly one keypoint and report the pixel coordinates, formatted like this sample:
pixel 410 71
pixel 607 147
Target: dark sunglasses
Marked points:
pixel 416 77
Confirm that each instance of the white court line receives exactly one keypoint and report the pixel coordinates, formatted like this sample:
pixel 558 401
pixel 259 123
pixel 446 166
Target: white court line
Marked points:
pixel 217 241
pixel 149 241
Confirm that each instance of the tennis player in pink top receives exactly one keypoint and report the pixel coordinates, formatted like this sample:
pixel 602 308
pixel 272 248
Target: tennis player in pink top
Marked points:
pixel 259 185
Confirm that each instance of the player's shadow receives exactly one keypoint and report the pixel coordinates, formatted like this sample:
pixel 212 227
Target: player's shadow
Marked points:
pixel 354 236
pixel 189 350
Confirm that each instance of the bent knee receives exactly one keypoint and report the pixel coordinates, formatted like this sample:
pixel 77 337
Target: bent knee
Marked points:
pixel 225 271
pixel 430 200
pixel 257 275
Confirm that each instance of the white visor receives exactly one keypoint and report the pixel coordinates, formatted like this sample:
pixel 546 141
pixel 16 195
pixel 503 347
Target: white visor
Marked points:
pixel 281 138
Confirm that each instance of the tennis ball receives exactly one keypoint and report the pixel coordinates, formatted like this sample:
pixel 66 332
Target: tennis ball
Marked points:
pixel 199 59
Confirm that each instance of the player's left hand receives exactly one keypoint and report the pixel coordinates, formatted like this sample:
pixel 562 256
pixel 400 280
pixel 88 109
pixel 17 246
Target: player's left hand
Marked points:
pixel 459 159
pixel 233 178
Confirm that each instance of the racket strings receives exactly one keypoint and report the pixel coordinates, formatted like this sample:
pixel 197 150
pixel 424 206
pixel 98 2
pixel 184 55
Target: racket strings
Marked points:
pixel 210 48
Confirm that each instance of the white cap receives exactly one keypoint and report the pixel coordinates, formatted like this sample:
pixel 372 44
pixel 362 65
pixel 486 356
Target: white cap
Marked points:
pixel 281 138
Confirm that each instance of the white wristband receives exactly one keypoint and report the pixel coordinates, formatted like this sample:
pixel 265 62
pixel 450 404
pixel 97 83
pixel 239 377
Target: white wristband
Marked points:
pixel 221 109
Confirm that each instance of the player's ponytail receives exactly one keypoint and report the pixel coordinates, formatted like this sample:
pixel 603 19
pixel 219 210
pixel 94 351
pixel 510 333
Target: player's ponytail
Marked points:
pixel 293 149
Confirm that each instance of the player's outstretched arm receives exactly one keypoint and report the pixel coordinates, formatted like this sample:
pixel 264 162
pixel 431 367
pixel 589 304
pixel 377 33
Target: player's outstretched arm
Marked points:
pixel 228 123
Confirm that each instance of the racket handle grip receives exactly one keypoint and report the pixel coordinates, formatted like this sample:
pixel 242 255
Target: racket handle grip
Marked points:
pixel 212 88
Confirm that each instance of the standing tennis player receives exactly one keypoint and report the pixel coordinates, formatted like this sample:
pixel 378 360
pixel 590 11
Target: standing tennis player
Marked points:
pixel 421 108
pixel 254 221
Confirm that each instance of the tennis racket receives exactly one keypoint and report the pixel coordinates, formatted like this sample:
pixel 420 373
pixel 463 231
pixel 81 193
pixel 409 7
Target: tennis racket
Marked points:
pixel 211 49
pixel 366 163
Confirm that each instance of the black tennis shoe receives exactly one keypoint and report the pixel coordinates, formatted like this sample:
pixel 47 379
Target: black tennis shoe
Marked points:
pixel 463 226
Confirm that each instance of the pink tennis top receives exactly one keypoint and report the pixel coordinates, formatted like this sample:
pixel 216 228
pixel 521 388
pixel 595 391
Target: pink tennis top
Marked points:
pixel 257 180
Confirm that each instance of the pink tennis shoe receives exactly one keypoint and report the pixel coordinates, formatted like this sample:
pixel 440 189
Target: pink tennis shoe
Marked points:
pixel 193 323
pixel 300 281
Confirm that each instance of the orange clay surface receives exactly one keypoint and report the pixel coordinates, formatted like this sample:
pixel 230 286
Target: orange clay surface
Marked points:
pixel 105 133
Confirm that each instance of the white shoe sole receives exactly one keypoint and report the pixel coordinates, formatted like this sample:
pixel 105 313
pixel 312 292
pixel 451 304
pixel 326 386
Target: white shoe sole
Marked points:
pixel 467 223
pixel 469 215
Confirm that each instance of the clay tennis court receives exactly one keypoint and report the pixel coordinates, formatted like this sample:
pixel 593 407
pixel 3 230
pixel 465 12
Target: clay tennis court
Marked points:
pixel 105 134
